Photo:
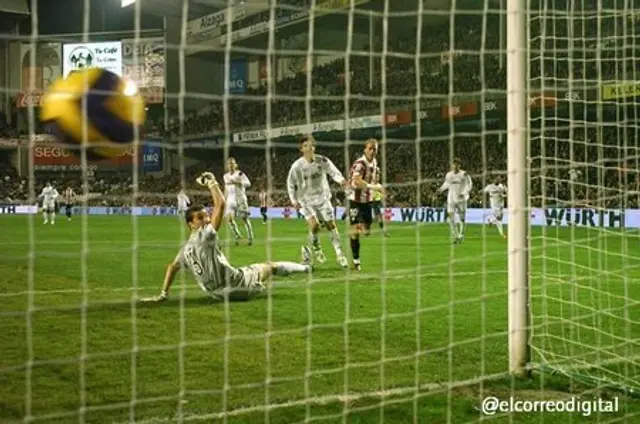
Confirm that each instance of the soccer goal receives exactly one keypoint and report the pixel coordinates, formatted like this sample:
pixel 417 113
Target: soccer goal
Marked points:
pixel 582 185
pixel 536 101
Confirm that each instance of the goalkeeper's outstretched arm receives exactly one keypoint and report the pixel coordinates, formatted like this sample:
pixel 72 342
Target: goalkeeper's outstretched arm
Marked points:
pixel 217 198
pixel 169 275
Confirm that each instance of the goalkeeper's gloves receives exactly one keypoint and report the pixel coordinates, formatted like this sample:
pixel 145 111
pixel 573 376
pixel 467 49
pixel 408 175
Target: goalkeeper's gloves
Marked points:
pixel 207 179
pixel 160 298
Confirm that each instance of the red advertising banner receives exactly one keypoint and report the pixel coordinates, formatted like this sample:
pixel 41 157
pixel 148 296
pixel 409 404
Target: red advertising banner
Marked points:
pixel 398 118
pixel 29 99
pixel 459 111
pixel 53 157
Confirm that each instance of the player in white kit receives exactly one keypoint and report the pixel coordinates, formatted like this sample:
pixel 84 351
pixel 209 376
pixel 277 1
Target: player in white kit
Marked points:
pixel 459 185
pixel 183 202
pixel 309 192
pixel 49 195
pixel 235 185
pixel 202 255
pixel 497 192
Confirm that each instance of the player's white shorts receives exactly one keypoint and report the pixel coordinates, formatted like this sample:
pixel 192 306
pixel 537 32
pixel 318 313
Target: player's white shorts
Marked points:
pixel 49 206
pixel 247 286
pixel 457 207
pixel 321 211
pixel 497 211
pixel 237 209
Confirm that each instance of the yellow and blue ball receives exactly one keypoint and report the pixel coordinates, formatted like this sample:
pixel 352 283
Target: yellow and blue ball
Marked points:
pixel 94 108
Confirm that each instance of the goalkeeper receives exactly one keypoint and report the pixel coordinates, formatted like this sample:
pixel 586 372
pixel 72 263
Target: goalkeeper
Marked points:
pixel 202 255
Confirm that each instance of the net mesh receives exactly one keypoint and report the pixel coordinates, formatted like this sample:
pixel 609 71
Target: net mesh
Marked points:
pixel 584 158
pixel 421 334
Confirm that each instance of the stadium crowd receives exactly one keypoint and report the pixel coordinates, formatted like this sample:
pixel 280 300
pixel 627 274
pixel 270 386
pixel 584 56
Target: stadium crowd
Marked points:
pixel 608 177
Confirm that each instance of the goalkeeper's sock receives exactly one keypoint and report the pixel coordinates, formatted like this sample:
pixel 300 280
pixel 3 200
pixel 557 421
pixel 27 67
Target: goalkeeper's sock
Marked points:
pixel 499 227
pixel 234 228
pixel 355 249
pixel 286 268
pixel 335 241
pixel 249 228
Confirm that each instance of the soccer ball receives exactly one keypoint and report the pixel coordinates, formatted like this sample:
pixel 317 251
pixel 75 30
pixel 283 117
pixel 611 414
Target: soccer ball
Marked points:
pixel 96 107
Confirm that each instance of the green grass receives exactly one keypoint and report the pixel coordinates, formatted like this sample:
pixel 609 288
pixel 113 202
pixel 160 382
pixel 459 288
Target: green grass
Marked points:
pixel 371 347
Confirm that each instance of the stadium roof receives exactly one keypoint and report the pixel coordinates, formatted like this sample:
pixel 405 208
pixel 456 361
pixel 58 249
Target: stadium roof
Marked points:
pixel 198 8
pixel 168 8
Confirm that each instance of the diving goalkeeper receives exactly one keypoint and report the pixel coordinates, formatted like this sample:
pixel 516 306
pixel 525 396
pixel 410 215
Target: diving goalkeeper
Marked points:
pixel 202 255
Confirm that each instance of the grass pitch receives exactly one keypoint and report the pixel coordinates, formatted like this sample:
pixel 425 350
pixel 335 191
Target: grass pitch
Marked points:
pixel 378 346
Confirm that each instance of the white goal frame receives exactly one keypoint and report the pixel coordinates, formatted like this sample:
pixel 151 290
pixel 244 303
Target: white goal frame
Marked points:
pixel 518 224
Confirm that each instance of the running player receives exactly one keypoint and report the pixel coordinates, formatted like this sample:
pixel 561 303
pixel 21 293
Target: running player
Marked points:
pixel 235 186
pixel 69 200
pixel 309 192
pixel 497 192
pixel 49 195
pixel 363 183
pixel 459 185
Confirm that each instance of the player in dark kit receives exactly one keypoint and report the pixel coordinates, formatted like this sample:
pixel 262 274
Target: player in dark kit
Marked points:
pixel 69 200
pixel 363 183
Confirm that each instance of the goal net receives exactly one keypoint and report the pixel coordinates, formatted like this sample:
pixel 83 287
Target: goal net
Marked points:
pixel 584 191
pixel 422 332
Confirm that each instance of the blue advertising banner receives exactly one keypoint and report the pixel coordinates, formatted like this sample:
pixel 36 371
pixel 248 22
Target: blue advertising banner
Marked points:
pixel 151 158
pixel 237 77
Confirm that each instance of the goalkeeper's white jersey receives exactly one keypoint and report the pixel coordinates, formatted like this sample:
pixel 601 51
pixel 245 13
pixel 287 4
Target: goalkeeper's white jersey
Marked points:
pixel 235 187
pixel 497 193
pixel 458 184
pixel 49 195
pixel 210 267
pixel 307 181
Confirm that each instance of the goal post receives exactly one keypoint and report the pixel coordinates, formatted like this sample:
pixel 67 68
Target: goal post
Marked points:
pixel 517 150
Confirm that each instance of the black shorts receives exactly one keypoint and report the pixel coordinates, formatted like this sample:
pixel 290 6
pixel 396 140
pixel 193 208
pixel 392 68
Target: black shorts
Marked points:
pixel 360 213
pixel 377 207
pixel 263 210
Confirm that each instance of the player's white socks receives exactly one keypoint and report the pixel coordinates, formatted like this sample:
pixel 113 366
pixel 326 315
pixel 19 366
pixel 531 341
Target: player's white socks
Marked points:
pixel 249 228
pixel 53 218
pixel 235 229
pixel 286 268
pixel 314 241
pixel 499 227
pixel 335 241
pixel 45 216
pixel 460 229
pixel 454 229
